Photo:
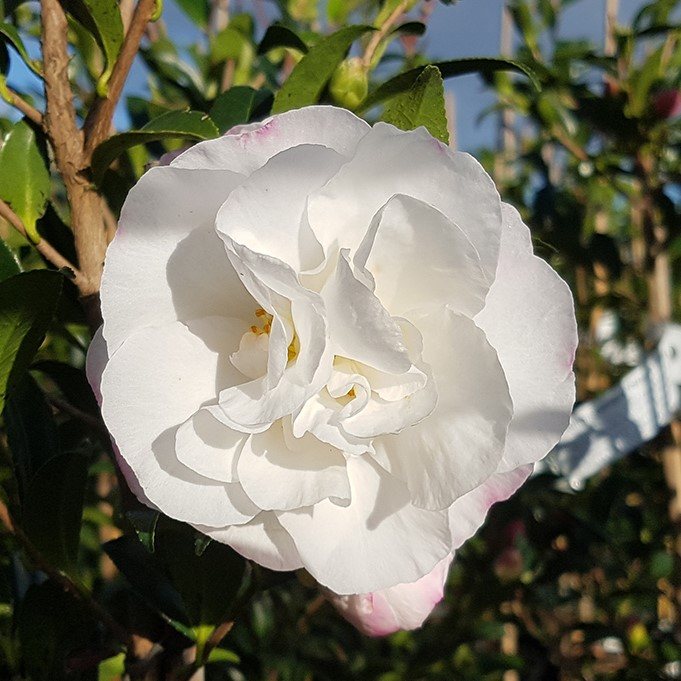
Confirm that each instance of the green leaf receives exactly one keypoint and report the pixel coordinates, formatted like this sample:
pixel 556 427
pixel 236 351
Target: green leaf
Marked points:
pixel 189 125
pixel 144 522
pixel 9 34
pixel 227 44
pixel 208 583
pixel 9 265
pixel 197 10
pixel 222 655
pixel 27 303
pixel 31 431
pixel 51 623
pixel 278 36
pixel 72 383
pixel 53 508
pixel 423 104
pixel 307 80
pixel 338 11
pixel 24 177
pixel 111 669
pixel 146 577
pixel 458 67
pixel 103 19
pixel 233 107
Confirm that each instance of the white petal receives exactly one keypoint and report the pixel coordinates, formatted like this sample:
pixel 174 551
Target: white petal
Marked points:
pixel 154 382
pixel 529 318
pixel 251 357
pixel 381 416
pixel 375 542
pixel 253 406
pixel 95 363
pixel 418 257
pixel 166 263
pixel 359 326
pixel 405 606
pixel 388 162
pixel 461 443
pixel 267 213
pixel 278 478
pixel 468 513
pixel 209 447
pixel 262 540
pixel 251 146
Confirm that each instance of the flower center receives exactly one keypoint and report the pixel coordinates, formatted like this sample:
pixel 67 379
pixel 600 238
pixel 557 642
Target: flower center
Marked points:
pixel 265 319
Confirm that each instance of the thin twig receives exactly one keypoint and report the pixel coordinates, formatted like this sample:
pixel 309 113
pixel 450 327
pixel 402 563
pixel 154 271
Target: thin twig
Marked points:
pixel 62 579
pixel 378 36
pixel 67 408
pixel 15 100
pixel 98 122
pixel 44 247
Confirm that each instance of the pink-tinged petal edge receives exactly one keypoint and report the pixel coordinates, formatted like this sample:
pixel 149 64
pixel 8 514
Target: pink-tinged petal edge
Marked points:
pixel 405 606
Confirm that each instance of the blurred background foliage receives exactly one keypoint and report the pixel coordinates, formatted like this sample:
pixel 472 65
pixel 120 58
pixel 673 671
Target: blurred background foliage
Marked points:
pixel 557 585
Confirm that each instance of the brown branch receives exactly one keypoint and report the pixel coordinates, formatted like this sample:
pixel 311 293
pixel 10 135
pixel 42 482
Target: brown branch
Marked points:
pixel 61 579
pixel 49 252
pixel 15 100
pixel 378 36
pixel 98 122
pixel 67 143
pixel 67 408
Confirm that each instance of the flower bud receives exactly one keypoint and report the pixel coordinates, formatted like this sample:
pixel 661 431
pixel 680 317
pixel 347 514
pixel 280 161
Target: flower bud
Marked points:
pixel 349 83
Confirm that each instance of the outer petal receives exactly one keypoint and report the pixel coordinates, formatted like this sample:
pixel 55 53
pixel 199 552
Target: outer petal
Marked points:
pixel 155 381
pixel 253 145
pixel 388 162
pixel 468 513
pixel 166 263
pixel 262 539
pixel 418 258
pixel 375 542
pixel 95 363
pixel 529 318
pixel 267 213
pixel 277 477
pixel 405 606
pixel 461 443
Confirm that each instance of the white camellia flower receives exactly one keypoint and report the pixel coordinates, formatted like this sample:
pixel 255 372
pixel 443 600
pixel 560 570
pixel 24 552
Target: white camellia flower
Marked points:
pixel 330 346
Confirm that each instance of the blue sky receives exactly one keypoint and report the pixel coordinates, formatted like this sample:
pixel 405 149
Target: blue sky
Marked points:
pixel 468 28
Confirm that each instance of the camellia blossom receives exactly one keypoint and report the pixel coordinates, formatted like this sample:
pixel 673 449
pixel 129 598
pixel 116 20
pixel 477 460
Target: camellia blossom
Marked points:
pixel 330 346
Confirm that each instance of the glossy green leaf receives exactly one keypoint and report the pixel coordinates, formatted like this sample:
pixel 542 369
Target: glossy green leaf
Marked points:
pixel 458 67
pixel 144 522
pixel 233 107
pixel 146 577
pixel 9 34
pixel 27 303
pixel 307 80
pixel 197 10
pixel 24 177
pixel 9 265
pixel 189 125
pixel 208 583
pixel 31 431
pixel 53 508
pixel 423 104
pixel 72 384
pixel 103 19
pixel 278 36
